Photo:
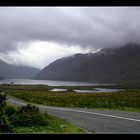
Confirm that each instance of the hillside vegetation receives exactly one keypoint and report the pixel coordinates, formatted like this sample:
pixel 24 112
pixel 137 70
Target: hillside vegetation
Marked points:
pixel 123 100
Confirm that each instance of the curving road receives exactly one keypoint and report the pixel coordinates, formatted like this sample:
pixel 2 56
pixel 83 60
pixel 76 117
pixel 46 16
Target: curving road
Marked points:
pixel 95 120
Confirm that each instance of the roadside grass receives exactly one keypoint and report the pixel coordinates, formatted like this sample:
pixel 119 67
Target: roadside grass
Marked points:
pixel 46 125
pixel 55 126
pixel 128 100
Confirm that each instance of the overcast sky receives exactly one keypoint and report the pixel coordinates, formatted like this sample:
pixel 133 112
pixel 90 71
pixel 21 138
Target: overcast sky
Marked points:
pixel 36 36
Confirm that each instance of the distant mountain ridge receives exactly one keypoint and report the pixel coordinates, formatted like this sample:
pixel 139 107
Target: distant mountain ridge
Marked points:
pixel 110 65
pixel 12 71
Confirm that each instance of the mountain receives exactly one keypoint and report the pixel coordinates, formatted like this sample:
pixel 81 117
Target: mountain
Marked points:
pixel 110 65
pixel 1 77
pixel 12 71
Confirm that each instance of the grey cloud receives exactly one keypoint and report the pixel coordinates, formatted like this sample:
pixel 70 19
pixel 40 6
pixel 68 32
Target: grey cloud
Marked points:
pixel 91 27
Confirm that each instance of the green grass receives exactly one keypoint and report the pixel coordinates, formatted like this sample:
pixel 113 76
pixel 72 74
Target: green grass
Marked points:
pixel 125 100
pixel 37 87
pixel 55 126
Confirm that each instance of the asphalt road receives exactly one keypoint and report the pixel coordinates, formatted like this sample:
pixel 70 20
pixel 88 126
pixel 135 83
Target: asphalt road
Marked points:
pixel 94 120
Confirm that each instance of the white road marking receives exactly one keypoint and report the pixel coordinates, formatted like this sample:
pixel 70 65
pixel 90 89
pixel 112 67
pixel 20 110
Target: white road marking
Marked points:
pixel 87 112
pixel 80 111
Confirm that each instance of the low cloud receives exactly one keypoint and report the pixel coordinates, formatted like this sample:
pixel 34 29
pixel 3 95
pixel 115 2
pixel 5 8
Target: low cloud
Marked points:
pixel 39 53
pixel 89 28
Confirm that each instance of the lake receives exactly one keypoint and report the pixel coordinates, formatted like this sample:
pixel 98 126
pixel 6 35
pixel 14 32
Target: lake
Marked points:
pixel 48 82
pixel 59 83
pixel 99 90
pixel 96 90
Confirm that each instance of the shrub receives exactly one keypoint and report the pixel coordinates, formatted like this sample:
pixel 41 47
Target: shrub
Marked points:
pixel 5 125
pixel 2 101
pixel 69 90
pixel 29 109
pixel 28 116
pixel 10 110
pixel 24 119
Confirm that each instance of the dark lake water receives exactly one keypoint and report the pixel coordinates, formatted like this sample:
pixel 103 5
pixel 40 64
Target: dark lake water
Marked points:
pixel 47 82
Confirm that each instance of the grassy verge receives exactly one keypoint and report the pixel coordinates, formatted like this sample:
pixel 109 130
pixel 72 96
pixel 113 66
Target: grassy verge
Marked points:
pixel 29 120
pixel 125 100
pixel 55 126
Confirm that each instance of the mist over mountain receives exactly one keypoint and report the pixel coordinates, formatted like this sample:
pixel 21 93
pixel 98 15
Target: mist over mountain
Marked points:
pixel 109 65
pixel 12 71
pixel 1 77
